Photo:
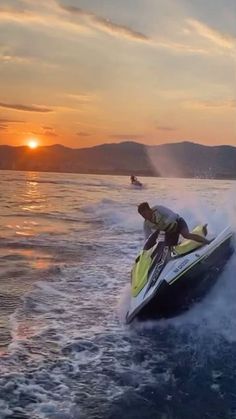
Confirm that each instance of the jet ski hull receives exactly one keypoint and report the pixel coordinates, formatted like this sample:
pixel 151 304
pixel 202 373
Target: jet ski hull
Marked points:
pixel 171 299
pixel 137 184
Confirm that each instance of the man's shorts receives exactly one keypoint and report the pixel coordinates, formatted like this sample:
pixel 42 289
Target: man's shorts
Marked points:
pixel 172 237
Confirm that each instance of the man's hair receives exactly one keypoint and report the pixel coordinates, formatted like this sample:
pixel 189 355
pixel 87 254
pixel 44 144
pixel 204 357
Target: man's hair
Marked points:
pixel 143 207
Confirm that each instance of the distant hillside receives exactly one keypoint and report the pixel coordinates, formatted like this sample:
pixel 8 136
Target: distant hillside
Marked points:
pixel 184 159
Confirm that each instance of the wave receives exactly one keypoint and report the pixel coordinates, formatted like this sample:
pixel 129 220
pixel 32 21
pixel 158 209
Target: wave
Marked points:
pixel 81 181
pixel 217 311
pixel 40 214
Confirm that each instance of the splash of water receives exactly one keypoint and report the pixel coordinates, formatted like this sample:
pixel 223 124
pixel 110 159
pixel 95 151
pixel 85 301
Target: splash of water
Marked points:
pixel 216 313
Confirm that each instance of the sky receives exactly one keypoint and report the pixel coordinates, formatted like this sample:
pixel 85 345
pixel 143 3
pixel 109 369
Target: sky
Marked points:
pixel 86 72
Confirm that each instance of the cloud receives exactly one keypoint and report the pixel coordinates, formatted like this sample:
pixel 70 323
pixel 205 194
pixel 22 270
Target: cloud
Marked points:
pixel 25 108
pixel 50 133
pixel 49 17
pixel 215 104
pixel 106 25
pixel 220 39
pixel 17 15
pixel 12 11
pixel 126 136
pixel 81 98
pixel 14 58
pixel 10 121
pixel 165 128
pixel 6 58
pixel 61 17
pixel 83 134
pixel 115 28
pixel 3 127
pixel 180 48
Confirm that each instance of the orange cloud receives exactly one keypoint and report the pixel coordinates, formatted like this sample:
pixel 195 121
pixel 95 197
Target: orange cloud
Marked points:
pixel 18 15
pixel 50 133
pixel 165 128
pixel 49 19
pixel 81 98
pixel 212 103
pixel 83 134
pixel 45 131
pixel 25 108
pixel 10 121
pixel 127 136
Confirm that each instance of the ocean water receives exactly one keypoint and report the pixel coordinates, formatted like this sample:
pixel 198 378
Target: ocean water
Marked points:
pixel 67 244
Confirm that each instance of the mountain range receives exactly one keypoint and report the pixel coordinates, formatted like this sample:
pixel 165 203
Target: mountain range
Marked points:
pixel 184 159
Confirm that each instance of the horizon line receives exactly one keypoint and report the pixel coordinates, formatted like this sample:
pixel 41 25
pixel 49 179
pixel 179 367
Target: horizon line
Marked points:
pixel 122 142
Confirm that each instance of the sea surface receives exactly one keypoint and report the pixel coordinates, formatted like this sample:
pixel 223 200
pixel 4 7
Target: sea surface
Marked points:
pixel 67 244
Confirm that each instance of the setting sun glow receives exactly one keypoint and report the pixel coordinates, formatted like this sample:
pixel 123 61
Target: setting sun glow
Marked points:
pixel 33 143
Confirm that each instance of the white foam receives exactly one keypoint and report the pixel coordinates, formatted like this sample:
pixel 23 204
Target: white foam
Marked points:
pixel 216 313
pixel 123 303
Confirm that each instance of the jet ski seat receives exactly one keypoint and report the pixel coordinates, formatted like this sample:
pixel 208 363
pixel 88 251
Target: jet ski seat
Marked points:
pixel 187 246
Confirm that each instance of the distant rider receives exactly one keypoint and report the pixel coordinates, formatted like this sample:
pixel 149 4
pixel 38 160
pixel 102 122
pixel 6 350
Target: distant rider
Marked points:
pixel 159 218
pixel 133 179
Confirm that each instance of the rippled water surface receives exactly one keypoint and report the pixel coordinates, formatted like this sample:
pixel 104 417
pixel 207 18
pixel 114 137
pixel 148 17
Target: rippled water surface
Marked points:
pixel 67 243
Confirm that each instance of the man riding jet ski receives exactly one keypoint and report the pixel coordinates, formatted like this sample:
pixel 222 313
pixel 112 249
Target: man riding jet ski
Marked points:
pixel 134 181
pixel 160 218
pixel 167 277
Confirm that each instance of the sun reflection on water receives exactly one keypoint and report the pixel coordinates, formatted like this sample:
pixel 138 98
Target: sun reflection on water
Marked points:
pixel 33 198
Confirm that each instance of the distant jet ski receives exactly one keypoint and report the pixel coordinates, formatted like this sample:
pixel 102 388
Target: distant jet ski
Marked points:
pixel 135 182
pixel 165 281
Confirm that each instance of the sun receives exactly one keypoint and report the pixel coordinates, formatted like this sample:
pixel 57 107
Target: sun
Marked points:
pixel 33 143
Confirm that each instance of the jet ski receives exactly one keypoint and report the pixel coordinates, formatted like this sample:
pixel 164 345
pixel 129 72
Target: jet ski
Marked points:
pixel 136 183
pixel 165 280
